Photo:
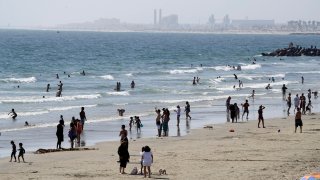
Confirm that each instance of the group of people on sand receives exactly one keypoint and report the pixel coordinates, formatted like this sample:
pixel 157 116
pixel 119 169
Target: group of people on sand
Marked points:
pixel 300 107
pixel 75 131
pixel 135 121
pixel 233 111
pixel 162 120
pixel 124 156
pixel 14 151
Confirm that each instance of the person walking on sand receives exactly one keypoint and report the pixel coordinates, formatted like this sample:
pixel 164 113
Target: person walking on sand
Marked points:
pixel 13 114
pixel 158 121
pixel 187 110
pixel 289 103
pixel 245 109
pixel 296 101
pixel 298 121
pixel 123 156
pixel 21 153
pixel 260 116
pixel 309 106
pixel 14 151
pixel 83 117
pixel 59 133
pixel 147 160
pixel 178 111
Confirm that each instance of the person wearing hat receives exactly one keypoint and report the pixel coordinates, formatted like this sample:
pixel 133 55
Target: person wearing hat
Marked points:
pixel 178 111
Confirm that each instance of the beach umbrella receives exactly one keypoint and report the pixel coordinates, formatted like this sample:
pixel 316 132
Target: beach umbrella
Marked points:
pixel 312 176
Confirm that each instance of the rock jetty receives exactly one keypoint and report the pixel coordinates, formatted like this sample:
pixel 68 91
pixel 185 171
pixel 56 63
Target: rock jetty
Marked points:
pixel 294 51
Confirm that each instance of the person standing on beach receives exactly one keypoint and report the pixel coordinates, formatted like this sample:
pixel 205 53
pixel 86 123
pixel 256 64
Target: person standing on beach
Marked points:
pixel 233 112
pixel 123 156
pixel 72 133
pixel 298 121
pixel 158 121
pixel 123 133
pixel 303 103
pixel 165 123
pixel 83 117
pixel 147 160
pixel 260 116
pixel 227 106
pixel 296 103
pixel 14 151
pixel 130 123
pixel 14 114
pixel 245 109
pixel 21 153
pixel 187 110
pixel 309 94
pixel 59 133
pixel 178 111
pixel 284 89
pixel 289 103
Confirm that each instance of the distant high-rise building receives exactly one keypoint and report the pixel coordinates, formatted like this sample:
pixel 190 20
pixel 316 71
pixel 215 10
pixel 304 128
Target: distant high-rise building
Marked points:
pixel 211 20
pixel 226 20
pixel 155 17
pixel 160 16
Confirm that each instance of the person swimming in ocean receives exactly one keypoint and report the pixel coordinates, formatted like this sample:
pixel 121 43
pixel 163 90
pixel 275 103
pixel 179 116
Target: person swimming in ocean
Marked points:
pixel 235 76
pixel 57 76
pixel 83 73
pixel 60 86
pixel 13 114
pixel 194 81
pixel 133 84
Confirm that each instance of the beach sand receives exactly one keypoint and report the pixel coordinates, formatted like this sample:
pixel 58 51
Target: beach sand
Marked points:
pixel 208 153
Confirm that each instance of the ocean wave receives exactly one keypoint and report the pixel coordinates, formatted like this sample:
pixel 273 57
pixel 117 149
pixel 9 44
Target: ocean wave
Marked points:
pixel 119 93
pixel 19 80
pixel 6 116
pixel 180 71
pixel 263 85
pixel 250 66
pixel 37 99
pixel 107 77
pixel 129 74
pixel 64 108
pixel 222 68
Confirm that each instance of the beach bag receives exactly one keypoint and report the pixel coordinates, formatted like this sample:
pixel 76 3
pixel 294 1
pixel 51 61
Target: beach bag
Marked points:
pixel 134 171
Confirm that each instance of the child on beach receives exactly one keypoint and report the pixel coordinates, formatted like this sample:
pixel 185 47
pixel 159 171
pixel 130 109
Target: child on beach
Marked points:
pixel 260 112
pixel 21 152
pixel 141 153
pixel 298 121
pixel 147 160
pixel 245 109
pixel 14 151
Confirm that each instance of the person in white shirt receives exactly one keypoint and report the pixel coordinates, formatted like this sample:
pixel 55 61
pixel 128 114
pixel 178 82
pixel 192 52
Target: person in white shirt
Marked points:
pixel 178 111
pixel 147 160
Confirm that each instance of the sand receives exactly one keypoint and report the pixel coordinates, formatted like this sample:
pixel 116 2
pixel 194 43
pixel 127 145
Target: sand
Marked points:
pixel 208 153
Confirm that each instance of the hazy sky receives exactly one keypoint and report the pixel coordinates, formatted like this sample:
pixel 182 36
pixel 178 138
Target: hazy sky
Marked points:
pixel 52 12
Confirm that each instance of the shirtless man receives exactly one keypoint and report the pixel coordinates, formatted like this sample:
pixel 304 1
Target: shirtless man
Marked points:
pixel 245 109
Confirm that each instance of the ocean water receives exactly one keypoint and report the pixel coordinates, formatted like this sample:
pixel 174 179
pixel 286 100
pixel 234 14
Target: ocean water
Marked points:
pixel 161 64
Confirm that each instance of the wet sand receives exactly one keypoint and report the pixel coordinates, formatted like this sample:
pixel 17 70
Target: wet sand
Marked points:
pixel 206 153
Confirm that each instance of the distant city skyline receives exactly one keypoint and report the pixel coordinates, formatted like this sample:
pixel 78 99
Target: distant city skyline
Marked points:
pixel 18 13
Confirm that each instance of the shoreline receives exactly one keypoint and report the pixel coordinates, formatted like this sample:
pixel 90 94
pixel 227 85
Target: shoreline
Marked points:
pixel 247 152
